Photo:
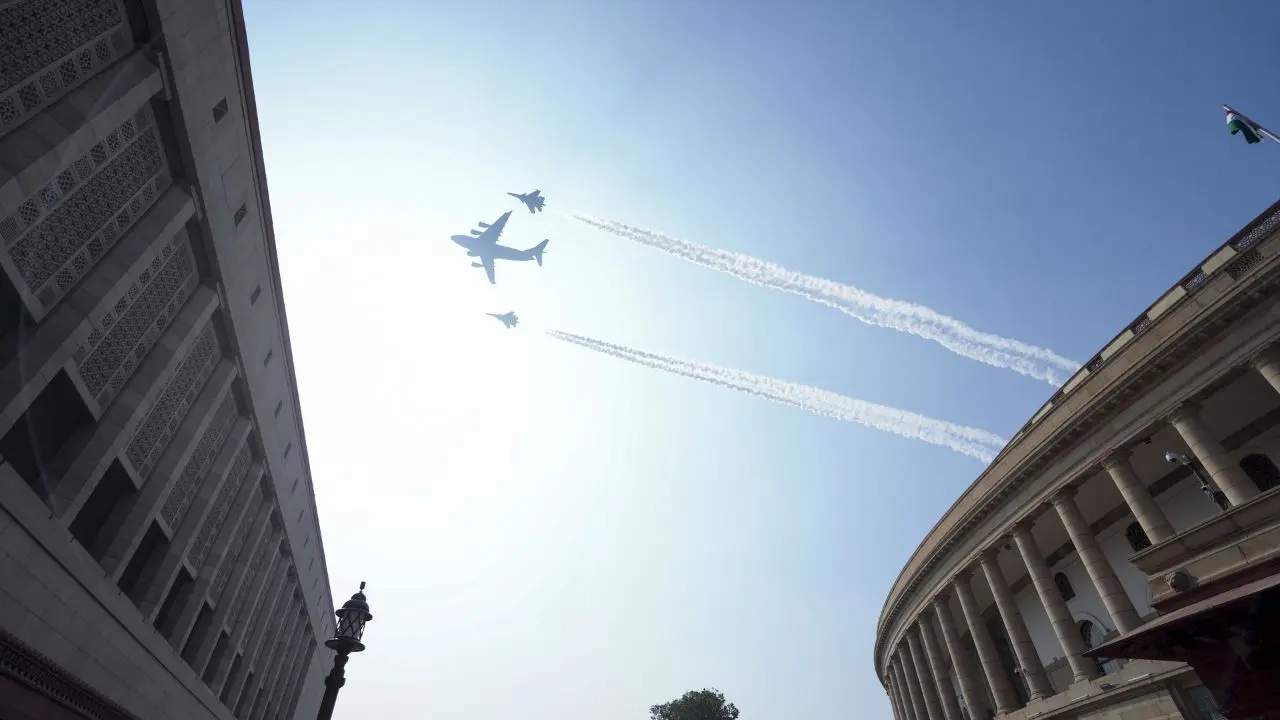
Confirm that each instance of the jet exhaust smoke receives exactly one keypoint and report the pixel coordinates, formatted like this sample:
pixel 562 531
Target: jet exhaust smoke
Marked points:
pixel 970 441
pixel 1030 360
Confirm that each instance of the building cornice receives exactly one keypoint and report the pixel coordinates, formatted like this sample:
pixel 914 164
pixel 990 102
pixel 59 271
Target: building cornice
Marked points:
pixel 240 38
pixel 29 669
pixel 1183 319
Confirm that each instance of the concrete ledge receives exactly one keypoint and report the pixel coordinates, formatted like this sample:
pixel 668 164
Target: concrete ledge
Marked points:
pixel 1092 698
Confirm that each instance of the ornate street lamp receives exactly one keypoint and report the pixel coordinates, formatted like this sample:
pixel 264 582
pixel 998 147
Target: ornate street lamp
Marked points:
pixel 352 617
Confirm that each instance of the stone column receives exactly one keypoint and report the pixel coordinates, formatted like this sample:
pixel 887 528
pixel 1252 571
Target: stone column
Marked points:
pixel 974 697
pixel 1001 691
pixel 1028 659
pixel 1228 476
pixel 893 701
pixel 1054 606
pixel 940 669
pixel 899 684
pixel 910 700
pixel 905 694
pixel 895 704
pixel 927 685
pixel 1268 366
pixel 913 684
pixel 1095 563
pixel 1137 497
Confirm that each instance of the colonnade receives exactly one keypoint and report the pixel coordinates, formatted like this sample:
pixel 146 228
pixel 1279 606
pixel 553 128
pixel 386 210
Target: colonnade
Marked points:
pixel 918 670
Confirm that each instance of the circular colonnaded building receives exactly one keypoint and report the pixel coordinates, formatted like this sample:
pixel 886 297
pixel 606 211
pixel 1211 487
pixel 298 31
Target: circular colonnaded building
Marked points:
pixel 1119 558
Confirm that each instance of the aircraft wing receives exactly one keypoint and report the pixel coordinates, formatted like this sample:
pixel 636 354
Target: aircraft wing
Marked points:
pixel 492 232
pixel 535 193
pixel 487 261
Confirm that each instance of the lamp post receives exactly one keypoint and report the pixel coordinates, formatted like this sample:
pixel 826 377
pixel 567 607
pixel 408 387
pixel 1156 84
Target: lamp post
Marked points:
pixel 1217 496
pixel 352 617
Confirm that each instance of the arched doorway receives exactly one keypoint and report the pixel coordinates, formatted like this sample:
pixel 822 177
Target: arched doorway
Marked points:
pixel 1093 634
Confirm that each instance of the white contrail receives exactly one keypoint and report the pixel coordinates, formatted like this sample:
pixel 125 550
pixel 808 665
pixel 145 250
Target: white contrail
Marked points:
pixel 970 441
pixel 1037 362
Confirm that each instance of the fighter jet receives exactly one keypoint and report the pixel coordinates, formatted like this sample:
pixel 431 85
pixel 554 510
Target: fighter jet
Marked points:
pixel 483 244
pixel 508 318
pixel 533 200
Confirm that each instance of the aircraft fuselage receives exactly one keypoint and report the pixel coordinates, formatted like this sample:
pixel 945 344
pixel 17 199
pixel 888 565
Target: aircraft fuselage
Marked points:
pixel 484 245
pixel 497 252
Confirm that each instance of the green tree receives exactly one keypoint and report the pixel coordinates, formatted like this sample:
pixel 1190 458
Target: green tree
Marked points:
pixel 696 705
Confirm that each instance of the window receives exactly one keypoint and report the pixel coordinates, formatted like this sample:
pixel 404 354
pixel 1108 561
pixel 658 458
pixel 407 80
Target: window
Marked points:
pixel 1064 586
pixel 241 212
pixel 1137 537
pixel 267 360
pixel 220 110
pixel 301 513
pixel 257 293
pixel 1261 471
pixel 279 407
pixel 288 449
pixel 295 485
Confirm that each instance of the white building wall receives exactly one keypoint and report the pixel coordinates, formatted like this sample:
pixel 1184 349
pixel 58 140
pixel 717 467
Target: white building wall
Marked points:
pixel 1115 546
pixel 1037 622
pixel 1186 506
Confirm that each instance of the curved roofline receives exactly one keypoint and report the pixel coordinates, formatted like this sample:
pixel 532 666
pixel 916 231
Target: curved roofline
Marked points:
pixel 1241 242
pixel 241 39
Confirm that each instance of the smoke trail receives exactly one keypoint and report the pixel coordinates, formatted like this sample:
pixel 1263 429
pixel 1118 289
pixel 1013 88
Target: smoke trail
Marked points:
pixel 1037 362
pixel 970 441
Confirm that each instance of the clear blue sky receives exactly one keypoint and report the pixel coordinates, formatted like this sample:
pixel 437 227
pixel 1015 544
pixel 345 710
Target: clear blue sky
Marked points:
pixel 549 533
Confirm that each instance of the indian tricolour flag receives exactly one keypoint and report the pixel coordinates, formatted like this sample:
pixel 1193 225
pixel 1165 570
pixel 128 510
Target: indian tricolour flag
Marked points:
pixel 1252 131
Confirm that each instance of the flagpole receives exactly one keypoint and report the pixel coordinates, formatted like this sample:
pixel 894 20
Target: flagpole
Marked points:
pixel 1261 131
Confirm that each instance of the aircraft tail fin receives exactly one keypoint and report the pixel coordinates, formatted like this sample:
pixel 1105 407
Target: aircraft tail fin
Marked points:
pixel 537 250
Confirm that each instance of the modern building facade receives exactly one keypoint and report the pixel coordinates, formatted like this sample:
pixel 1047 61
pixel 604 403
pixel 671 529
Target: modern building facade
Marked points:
pixel 160 555
pixel 1119 558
